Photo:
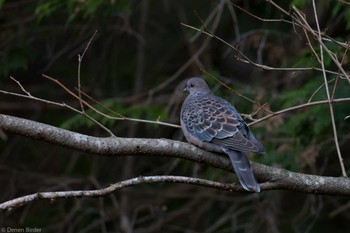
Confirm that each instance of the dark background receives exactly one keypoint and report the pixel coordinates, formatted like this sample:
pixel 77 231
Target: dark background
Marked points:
pixel 136 65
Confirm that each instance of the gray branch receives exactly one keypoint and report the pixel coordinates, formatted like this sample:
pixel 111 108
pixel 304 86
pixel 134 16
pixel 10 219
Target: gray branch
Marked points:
pixel 270 177
pixel 20 201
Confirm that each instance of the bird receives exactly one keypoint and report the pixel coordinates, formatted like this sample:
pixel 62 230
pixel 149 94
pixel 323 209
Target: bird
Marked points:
pixel 213 124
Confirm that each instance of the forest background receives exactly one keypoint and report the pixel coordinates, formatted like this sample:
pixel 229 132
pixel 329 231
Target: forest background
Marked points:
pixel 133 58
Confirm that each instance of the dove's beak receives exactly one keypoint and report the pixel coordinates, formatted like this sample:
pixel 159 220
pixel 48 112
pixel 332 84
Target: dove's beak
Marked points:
pixel 185 88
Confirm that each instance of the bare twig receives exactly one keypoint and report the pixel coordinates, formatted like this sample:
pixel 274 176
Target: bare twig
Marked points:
pixel 261 66
pixel 317 34
pixel 328 93
pixel 298 107
pixel 345 2
pixel 80 59
pixel 337 78
pixel 259 18
pixel 103 114
pixel 234 20
pixel 236 92
pixel 317 90
pixel 299 20
pixel 27 95
pixel 339 210
pixel 294 21
pixel 310 45
pixel 82 101
pixel 122 117
pixel 214 14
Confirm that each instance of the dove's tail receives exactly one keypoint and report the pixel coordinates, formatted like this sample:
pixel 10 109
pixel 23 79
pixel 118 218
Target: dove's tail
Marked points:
pixel 243 170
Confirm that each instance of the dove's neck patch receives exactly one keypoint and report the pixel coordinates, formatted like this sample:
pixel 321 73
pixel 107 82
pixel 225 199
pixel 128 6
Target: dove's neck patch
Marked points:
pixel 197 93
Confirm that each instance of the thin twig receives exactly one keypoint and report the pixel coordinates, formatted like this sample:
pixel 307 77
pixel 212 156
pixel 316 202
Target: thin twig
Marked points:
pixel 317 90
pixel 122 117
pixel 29 96
pixel 103 106
pixel 345 2
pixel 298 107
pixel 261 66
pixel 20 85
pixel 310 45
pixel 328 94
pixel 300 21
pixel 318 35
pixel 80 59
pixel 217 11
pixel 236 92
pixel 337 78
pixel 234 20
pixel 294 22
pixel 103 114
pixel 339 210
pixel 259 18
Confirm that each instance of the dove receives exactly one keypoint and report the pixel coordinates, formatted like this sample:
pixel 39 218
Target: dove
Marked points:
pixel 213 124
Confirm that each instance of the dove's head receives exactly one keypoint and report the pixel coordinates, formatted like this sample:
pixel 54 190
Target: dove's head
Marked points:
pixel 197 86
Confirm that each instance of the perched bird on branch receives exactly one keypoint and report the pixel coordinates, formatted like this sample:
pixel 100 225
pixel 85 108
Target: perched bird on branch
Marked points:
pixel 213 124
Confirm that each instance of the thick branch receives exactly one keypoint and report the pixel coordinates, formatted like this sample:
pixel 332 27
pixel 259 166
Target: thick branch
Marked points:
pixel 276 178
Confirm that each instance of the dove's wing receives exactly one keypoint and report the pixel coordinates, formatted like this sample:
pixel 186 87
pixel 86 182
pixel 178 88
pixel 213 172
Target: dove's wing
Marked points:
pixel 212 119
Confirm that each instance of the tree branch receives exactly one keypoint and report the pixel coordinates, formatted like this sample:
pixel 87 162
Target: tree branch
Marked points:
pixel 273 178
pixel 20 201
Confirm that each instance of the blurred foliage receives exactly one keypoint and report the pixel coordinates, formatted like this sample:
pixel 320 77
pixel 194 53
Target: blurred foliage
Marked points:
pixel 16 58
pixel 140 45
pixel 83 9
pixel 315 120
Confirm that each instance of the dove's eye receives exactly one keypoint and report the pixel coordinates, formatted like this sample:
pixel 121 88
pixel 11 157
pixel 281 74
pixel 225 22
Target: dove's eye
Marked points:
pixel 191 85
